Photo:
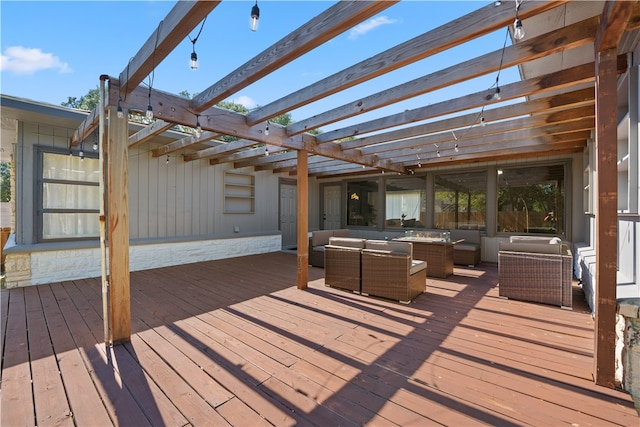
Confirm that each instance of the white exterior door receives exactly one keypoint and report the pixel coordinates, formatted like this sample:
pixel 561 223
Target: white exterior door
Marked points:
pixel 288 210
pixel 331 204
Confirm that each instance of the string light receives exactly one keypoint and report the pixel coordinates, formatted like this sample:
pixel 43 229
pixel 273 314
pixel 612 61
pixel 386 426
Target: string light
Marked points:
pixel 167 162
pixel 95 142
pixel 518 29
pixel 483 123
pixel 193 62
pixel 255 16
pixel 419 164
pixel 455 148
pixel 198 127
pixel 120 112
pixel 266 150
pixel 149 113
pixel 266 129
pixel 81 153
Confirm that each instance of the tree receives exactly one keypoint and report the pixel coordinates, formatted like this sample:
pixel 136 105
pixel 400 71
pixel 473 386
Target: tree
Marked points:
pixel 86 102
pixel 5 182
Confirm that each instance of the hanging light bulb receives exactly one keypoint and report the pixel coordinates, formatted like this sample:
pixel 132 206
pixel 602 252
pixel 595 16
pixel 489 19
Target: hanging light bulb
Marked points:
pixel 266 150
pixel 149 112
pixel 81 153
pixel 193 63
pixel 518 29
pixel 95 145
pixel 266 129
pixel 483 123
pixel 119 111
pixel 167 162
pixel 455 148
pixel 438 153
pixel 198 127
pixel 255 16
pixel 496 94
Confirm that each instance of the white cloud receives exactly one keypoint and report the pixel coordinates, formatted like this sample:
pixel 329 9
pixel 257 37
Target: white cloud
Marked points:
pixel 22 60
pixel 246 101
pixel 370 25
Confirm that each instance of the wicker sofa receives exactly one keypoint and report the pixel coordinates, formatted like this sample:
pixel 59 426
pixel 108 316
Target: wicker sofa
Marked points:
pixel 389 271
pixel 317 242
pixel 466 250
pixel 536 269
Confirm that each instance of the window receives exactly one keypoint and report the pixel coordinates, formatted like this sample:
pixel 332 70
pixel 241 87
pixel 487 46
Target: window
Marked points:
pixel 362 203
pixel 461 200
pixel 69 197
pixel 405 202
pixel 531 200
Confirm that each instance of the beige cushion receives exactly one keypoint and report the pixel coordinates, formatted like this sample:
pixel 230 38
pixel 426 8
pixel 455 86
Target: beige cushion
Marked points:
pixel 534 247
pixel 417 265
pixel 341 233
pixel 350 242
pixel 390 246
pixel 320 237
pixel 469 236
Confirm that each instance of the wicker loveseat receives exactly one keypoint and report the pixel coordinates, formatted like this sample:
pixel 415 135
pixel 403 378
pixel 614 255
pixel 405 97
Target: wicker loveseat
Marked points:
pixel 389 271
pixel 318 240
pixel 536 269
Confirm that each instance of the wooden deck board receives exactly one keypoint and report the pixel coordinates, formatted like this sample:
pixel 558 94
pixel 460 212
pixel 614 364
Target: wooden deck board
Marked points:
pixel 235 342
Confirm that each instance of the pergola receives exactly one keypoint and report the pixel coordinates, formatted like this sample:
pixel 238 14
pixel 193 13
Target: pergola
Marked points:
pixel 573 100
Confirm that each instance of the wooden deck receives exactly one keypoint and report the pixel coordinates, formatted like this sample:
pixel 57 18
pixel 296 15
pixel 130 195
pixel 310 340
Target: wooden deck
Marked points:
pixel 233 342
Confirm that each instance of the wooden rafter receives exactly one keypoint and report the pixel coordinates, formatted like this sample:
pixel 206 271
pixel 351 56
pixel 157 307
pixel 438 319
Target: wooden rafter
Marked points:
pixel 320 29
pixel 562 39
pixel 558 80
pixel 183 18
pixel 475 24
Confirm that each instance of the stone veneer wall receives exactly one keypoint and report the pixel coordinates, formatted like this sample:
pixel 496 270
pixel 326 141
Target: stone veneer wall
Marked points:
pixel 39 267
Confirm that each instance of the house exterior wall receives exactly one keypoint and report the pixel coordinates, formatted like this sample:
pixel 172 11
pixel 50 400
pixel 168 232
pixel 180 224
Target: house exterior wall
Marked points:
pixel 177 214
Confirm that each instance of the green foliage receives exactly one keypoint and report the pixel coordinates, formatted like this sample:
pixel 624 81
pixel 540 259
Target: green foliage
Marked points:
pixel 86 102
pixel 5 182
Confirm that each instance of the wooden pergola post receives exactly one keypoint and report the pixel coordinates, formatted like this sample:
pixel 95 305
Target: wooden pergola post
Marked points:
pixel 118 226
pixel 612 25
pixel 302 198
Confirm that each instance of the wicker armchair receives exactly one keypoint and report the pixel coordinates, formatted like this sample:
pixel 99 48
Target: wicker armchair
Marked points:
pixel 537 272
pixel 389 271
pixel 342 263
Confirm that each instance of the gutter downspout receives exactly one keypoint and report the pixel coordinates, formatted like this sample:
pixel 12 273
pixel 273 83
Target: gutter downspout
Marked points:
pixel 103 246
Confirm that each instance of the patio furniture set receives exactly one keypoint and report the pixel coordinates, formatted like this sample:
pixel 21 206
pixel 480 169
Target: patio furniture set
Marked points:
pixel 379 268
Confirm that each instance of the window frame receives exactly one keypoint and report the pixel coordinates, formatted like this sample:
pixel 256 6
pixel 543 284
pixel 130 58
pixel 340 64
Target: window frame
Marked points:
pixel 40 210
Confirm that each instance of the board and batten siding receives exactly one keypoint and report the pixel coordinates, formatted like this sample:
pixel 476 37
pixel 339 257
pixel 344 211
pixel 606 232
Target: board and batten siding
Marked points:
pixel 181 198
pixel 176 213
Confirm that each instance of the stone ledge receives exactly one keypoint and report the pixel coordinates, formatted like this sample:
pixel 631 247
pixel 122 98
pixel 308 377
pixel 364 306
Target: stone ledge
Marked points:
pixel 629 308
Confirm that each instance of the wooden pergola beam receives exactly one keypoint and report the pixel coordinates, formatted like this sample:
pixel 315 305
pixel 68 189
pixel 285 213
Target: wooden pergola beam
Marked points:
pixel 558 80
pixel 182 18
pixel 183 143
pixel 468 27
pixel 225 122
pixel 220 150
pixel 486 132
pixel 549 104
pixel 147 133
pixel 565 38
pixel 171 31
pixel 324 27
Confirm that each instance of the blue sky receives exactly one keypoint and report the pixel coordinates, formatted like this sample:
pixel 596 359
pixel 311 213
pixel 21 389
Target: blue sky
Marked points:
pixel 55 49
